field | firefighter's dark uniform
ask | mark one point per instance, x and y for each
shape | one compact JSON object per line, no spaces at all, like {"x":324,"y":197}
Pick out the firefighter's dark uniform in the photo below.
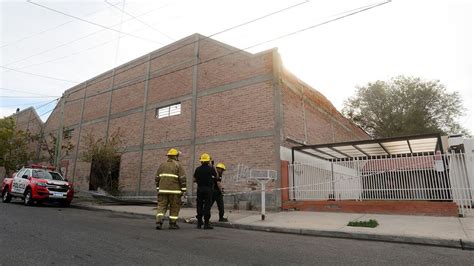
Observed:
{"x":170,"y":184}
{"x":204,"y":177}
{"x":218,"y":197}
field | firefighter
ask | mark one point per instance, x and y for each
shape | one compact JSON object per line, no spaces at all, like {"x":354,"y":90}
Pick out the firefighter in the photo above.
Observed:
{"x":218,"y":193}
{"x":170,"y":185}
{"x":204,"y":177}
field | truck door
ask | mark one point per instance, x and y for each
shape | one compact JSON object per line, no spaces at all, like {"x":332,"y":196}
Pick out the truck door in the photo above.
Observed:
{"x":24,"y":181}
{"x":16,"y":181}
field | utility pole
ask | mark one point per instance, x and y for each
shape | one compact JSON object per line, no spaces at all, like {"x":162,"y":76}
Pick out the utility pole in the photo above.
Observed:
{"x":59,"y":138}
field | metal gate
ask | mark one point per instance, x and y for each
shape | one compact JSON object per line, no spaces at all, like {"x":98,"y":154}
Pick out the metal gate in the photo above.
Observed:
{"x":440,"y":177}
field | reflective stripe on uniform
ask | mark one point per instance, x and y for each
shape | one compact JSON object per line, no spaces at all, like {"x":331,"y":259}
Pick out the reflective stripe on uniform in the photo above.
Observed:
{"x":165,"y":191}
{"x":183,"y":188}
{"x":168,"y":175}
{"x":157,"y":188}
{"x":160,"y":214}
{"x":174,"y":217}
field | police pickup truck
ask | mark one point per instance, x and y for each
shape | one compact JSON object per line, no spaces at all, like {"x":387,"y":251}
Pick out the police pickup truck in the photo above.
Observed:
{"x":37,"y":184}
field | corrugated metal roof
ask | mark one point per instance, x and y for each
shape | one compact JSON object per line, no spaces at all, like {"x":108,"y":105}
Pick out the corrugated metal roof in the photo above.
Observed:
{"x":407,"y":145}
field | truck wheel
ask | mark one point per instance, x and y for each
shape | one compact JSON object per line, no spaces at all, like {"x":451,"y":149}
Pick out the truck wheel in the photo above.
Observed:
{"x":28,"y":199}
{"x":6,"y":197}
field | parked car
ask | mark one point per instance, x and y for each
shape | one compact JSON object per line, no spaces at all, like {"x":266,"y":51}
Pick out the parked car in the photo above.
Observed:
{"x":37,"y":184}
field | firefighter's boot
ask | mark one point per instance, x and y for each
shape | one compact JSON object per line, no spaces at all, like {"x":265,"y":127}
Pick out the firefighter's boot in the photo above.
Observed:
{"x":158,"y":226}
{"x":199,"y":224}
{"x":207,"y":225}
{"x":174,"y":226}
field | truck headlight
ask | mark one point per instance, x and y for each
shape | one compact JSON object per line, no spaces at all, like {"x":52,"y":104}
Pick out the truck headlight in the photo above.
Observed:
{"x":41,"y":184}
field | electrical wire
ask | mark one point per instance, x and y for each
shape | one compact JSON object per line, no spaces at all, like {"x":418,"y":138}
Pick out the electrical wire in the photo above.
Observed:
{"x":92,"y":23}
{"x":345,"y":14}
{"x":180,"y":47}
{"x":21,"y":91}
{"x":139,"y":20}
{"x":27,"y":97}
{"x":23,"y":104}
{"x":50,"y":29}
{"x":38,"y":75}
{"x":220,"y":32}
{"x":75,"y":40}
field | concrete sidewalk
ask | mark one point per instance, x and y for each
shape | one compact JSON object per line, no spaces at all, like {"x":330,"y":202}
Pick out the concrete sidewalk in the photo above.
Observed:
{"x":428,"y":230}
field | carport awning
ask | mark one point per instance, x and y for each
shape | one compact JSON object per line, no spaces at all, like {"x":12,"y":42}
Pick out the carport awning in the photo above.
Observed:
{"x":408,"y":145}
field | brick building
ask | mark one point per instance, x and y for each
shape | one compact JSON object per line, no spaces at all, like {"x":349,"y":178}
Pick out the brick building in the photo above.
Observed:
{"x":198,"y":95}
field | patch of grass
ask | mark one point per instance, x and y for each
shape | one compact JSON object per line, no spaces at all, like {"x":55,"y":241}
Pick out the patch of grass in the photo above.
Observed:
{"x":370,"y":223}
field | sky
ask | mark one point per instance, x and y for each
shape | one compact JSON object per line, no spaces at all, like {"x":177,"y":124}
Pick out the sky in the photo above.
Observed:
{"x":43,"y":52}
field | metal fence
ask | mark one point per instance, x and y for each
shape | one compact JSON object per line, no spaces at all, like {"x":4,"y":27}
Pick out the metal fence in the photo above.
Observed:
{"x":441,"y":177}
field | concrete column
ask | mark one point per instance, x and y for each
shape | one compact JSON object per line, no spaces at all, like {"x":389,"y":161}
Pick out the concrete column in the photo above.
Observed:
{"x":189,"y":183}
{"x":278,"y":130}
{"x":59,"y":137}
{"x":142,"y":140}
{"x":79,"y":133}
{"x":110,"y":106}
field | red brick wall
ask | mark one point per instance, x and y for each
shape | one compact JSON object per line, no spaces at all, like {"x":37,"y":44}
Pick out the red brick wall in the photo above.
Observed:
{"x":246,"y":109}
{"x":231,"y":68}
{"x":129,"y":127}
{"x":169,"y":86}
{"x":177,"y":53}
{"x":324,"y":124}
{"x":129,"y":166}
{"x":28,"y":121}
{"x":128,"y":97}
{"x":173,"y":128}
{"x":221,"y":117}
{"x":130,"y":71}
{"x":381,"y":207}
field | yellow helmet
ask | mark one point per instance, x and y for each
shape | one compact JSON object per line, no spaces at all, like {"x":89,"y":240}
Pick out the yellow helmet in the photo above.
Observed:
{"x":221,"y":166}
{"x":173,"y":152}
{"x":205,"y":157}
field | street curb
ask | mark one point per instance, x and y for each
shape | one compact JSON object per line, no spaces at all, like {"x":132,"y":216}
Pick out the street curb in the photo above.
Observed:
{"x":462,"y":244}
{"x":451,"y":243}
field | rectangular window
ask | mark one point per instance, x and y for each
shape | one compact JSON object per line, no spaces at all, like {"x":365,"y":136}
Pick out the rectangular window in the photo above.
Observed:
{"x":169,"y":110}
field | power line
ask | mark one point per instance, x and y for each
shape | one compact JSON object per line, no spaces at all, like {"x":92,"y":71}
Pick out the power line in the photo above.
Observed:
{"x":75,"y":40}
{"x":92,"y":23}
{"x":38,"y":75}
{"x":23,"y":104}
{"x":119,"y":36}
{"x":178,"y":48}
{"x":345,"y":14}
{"x":358,"y":10}
{"x":222,"y":31}
{"x":27,"y":97}
{"x":21,"y":91}
{"x":139,"y":20}
{"x":49,"y":29}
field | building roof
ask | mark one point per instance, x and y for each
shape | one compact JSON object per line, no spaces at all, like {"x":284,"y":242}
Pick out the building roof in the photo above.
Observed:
{"x":406,"y":145}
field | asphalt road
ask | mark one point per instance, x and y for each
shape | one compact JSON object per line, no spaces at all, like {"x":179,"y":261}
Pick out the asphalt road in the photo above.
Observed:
{"x":52,"y":235}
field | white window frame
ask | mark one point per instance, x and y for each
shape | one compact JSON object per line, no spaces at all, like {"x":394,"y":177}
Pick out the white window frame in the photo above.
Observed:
{"x":167,"y":111}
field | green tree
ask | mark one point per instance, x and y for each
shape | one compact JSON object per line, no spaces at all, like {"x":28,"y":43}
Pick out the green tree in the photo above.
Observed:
{"x":14,"y":146}
{"x":405,"y":106}
{"x":105,"y":158}
{"x":48,"y":144}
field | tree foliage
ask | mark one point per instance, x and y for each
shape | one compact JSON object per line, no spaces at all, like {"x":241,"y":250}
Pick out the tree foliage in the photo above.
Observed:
{"x":405,"y":106}
{"x":48,"y":144}
{"x":14,"y":145}
{"x":103,"y":155}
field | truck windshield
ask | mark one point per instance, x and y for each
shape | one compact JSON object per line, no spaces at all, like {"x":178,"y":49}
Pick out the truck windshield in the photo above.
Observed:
{"x":56,"y":176}
{"x":42,"y":174}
